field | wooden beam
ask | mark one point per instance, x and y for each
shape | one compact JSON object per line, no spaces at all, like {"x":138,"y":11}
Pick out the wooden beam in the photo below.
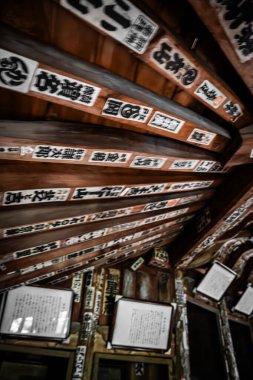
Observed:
{"x":25,"y":246}
{"x":48,"y":71}
{"x":67,"y":183}
{"x":60,"y":262}
{"x":45,"y":218}
{"x":243,"y":155}
{"x":232,"y":202}
{"x":218,"y":20}
{"x":72,"y":143}
{"x":72,"y":266}
{"x":188,"y":72}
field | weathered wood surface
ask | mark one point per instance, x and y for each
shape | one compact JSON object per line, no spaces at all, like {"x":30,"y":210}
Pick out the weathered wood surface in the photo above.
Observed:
{"x":209,"y":15}
{"x":233,"y":201}
{"x":174,"y":44}
{"x":54,"y":142}
{"x":112,"y":87}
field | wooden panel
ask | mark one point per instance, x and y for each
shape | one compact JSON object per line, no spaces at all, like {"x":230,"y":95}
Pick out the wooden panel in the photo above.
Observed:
{"x":75,"y":235}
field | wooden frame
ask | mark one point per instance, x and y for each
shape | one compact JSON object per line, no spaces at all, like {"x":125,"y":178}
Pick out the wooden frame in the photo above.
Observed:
{"x":29,"y":312}
{"x":18,"y":351}
{"x":242,"y":305}
{"x":216,"y":274}
{"x":130,"y":358}
{"x":130,"y":316}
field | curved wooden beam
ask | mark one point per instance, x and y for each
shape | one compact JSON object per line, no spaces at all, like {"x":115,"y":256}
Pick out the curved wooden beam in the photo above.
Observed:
{"x":111,"y":94}
{"x":219,"y":25}
{"x":159,"y":55}
{"x":232,"y":202}
{"x":72,"y":143}
{"x":244,"y":155}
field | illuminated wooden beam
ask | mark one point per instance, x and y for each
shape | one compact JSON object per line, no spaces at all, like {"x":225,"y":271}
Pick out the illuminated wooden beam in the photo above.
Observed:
{"x":232,"y":31}
{"x":58,"y":77}
{"x":165,"y":53}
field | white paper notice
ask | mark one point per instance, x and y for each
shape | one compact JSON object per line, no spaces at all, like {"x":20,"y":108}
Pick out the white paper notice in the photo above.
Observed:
{"x":142,"y":325}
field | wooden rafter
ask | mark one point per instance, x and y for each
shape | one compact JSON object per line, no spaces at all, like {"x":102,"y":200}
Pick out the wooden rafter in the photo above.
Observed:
{"x":112,"y":97}
{"x":188,"y":72}
{"x":237,"y":199}
{"x":214,"y":16}
{"x":100,"y":146}
{"x":45,"y":218}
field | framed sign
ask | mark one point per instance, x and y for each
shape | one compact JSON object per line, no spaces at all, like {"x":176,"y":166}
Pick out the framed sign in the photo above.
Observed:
{"x":216,"y":281}
{"x":245,"y":303}
{"x":37,"y":312}
{"x":141,"y":325}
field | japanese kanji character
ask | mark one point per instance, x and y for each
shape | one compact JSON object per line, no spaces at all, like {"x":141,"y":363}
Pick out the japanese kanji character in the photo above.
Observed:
{"x":13,"y":71}
{"x":198,"y":136}
{"x":43,"y":151}
{"x":71,"y":154}
{"x":245,"y":40}
{"x":117,"y":16}
{"x":142,"y":25}
{"x":130,"y":111}
{"x":113,"y":107}
{"x":189,"y":77}
{"x":86,"y":95}
{"x":112,"y":157}
{"x":135,"y":40}
{"x":42,"y":195}
{"x":78,"y":4}
{"x":175,"y":65}
{"x":232,"y":109}
{"x":238,"y":12}
{"x":99,"y":156}
{"x":210,"y":94}
{"x":47,"y":82}
{"x":163,"y":56}
{"x":13,"y":197}
{"x":13,"y":231}
{"x":70,"y":90}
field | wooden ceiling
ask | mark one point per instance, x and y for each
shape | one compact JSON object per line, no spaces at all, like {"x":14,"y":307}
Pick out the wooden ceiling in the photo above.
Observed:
{"x":125,"y":126}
